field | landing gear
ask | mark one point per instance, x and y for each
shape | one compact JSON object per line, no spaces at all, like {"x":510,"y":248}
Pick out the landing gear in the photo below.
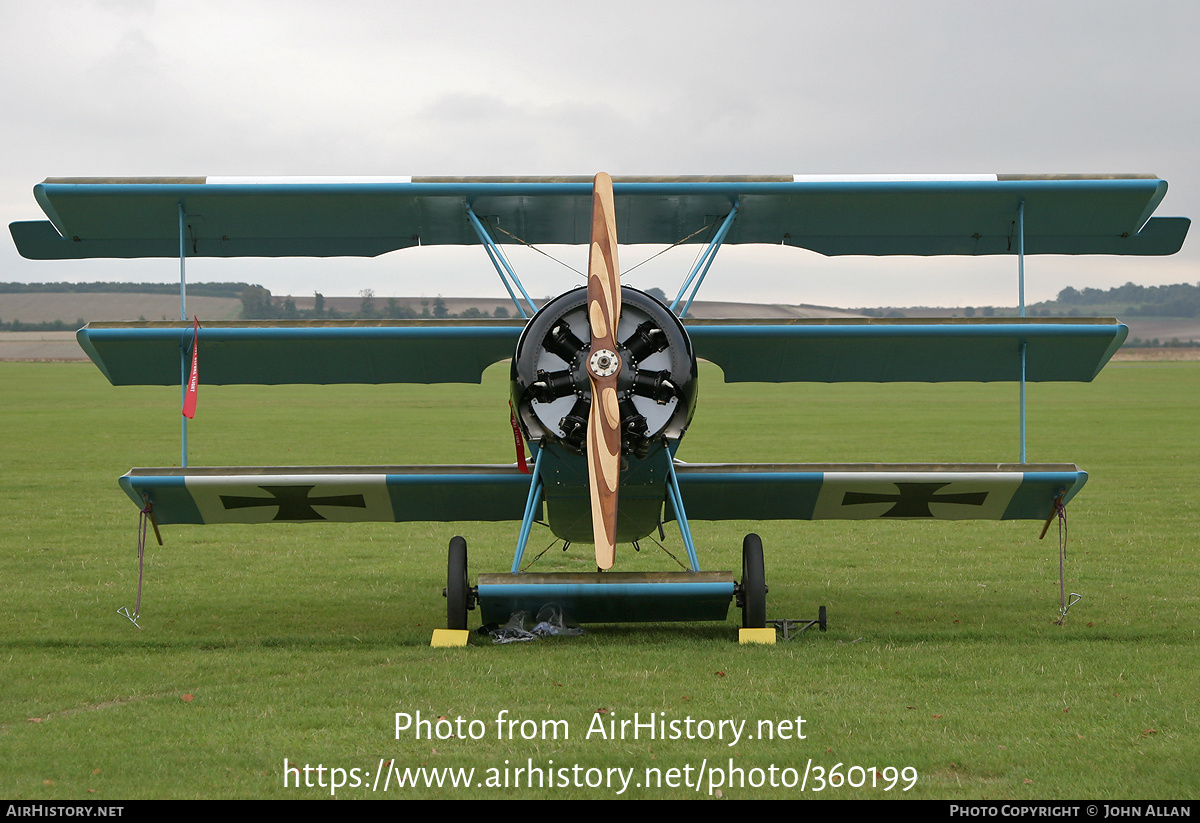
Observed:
{"x":752,"y":594}
{"x":459,"y":597}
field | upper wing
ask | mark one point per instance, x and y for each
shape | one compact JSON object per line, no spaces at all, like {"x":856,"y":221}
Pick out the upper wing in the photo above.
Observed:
{"x":874,"y":215}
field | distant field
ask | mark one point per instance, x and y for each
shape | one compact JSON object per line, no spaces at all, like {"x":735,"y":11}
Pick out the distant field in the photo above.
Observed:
{"x":303,"y":642}
{"x":1157,"y":354}
{"x":46,"y":307}
{"x":1163,"y":328}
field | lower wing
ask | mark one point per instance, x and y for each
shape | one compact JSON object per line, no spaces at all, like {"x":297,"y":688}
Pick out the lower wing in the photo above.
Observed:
{"x":710,"y":491}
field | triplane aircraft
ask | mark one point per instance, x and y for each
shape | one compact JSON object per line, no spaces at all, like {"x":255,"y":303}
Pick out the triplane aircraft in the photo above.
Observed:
{"x":603,"y":377}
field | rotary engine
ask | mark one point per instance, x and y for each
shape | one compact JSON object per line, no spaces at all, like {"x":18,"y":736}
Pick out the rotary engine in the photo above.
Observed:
{"x":656,"y":386}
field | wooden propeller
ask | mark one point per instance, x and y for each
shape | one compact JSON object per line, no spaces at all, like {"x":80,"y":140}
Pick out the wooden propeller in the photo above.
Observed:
{"x":604,"y":364}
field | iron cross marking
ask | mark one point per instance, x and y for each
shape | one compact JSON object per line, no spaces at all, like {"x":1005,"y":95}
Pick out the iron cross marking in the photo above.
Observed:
{"x":914,"y":499}
{"x":293,"y":502}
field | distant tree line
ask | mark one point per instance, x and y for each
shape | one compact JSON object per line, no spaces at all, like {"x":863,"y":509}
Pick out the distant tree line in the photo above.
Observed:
{"x":1178,"y":300}
{"x":1130,"y":300}
{"x":259,"y":304}
{"x":881,"y":313}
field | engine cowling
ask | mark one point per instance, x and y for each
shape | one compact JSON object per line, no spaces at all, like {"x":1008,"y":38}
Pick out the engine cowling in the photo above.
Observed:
{"x":656,"y":385}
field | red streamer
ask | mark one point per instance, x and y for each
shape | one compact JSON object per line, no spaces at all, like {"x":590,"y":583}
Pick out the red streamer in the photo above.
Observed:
{"x":518,"y":440}
{"x":189,"y":397}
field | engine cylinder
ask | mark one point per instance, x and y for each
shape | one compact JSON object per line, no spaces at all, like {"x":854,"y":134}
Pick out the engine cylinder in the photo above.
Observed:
{"x":656,"y":384}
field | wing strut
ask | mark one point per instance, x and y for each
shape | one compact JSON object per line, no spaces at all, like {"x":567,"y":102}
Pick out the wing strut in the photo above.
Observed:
{"x":501,"y":263}
{"x":183,"y":353}
{"x":531,"y":508}
{"x":676,"y":498}
{"x":706,"y":260}
{"x":1021,"y":310}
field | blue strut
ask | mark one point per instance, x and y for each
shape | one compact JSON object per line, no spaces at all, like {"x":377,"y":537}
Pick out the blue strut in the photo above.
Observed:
{"x":705,"y":261}
{"x":531,"y":505}
{"x":501,"y":264}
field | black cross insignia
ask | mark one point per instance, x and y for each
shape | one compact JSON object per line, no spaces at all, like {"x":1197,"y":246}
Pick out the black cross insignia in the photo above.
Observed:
{"x":293,"y":502}
{"x":914,"y":499}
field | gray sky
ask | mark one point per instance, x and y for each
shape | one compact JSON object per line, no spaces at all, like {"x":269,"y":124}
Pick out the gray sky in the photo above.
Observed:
{"x":138,"y":87}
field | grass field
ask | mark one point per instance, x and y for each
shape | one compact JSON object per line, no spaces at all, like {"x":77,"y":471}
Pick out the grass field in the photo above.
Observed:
{"x":303,"y":642}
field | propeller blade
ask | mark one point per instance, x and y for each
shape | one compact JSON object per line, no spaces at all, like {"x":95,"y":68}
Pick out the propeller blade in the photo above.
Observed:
{"x":604,"y":364}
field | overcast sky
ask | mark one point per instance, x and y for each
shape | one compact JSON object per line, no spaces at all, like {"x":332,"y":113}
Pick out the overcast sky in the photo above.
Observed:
{"x":139,"y":87}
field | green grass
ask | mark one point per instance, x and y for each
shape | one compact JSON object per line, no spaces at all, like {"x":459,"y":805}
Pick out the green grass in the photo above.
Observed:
{"x":302,"y":642}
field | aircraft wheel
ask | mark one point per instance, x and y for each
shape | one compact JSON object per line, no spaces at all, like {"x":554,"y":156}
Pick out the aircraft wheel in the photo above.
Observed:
{"x":457,"y":591}
{"x":754,"y":584}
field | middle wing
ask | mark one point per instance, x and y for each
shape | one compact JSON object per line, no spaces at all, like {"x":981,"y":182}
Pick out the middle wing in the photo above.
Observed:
{"x":868,"y":350}
{"x":268,"y":352}
{"x":909,"y":350}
